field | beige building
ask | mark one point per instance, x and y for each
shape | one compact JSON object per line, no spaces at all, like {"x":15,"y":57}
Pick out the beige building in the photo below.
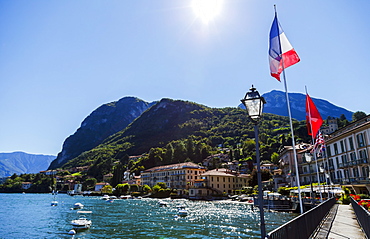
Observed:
{"x":218,"y":181}
{"x":177,"y":176}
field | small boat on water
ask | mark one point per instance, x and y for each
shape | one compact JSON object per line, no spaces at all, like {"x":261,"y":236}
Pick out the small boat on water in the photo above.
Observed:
{"x":125,"y":197}
{"x":182,"y":212}
{"x":82,"y":222}
{"x":78,"y":206}
{"x":105,"y":197}
{"x":54,"y":202}
{"x":162,"y":203}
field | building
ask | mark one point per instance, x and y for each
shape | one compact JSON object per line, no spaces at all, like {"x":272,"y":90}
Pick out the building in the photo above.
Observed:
{"x":219,"y":181}
{"x":287,"y":176}
{"x":331,"y":127}
{"x":177,"y":176}
{"x":26,"y":185}
{"x":348,"y":156}
{"x":99,"y":186}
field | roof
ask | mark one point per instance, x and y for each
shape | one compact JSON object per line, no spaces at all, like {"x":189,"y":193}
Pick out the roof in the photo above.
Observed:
{"x":220,"y":172}
{"x":175,"y":167}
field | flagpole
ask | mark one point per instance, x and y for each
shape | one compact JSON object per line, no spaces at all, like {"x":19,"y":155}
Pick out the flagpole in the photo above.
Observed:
{"x":290,"y":121}
{"x":314,"y":149}
{"x":327,"y":161}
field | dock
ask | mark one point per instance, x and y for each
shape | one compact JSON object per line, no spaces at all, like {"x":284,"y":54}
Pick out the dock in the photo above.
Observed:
{"x":341,"y":222}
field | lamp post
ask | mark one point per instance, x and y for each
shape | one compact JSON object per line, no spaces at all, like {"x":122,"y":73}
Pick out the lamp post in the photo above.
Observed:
{"x":253,"y":103}
{"x":308,"y":158}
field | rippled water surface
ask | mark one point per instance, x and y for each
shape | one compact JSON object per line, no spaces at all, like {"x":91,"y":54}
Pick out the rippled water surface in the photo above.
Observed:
{"x":31,"y":216}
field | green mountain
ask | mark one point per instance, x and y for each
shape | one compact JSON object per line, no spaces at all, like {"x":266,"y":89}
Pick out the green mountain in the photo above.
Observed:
{"x":106,"y":120}
{"x":191,"y":131}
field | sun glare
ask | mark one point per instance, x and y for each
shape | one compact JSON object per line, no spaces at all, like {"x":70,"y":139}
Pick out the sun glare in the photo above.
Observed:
{"x":206,"y":10}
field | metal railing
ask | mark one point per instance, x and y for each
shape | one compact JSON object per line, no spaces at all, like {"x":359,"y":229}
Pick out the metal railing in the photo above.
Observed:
{"x":304,"y":225}
{"x":363,"y":217}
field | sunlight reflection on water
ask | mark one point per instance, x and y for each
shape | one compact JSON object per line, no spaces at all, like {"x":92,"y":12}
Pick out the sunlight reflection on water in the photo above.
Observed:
{"x":131,"y":218}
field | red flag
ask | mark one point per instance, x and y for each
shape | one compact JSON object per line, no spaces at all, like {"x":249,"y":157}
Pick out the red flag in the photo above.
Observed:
{"x":313,"y":117}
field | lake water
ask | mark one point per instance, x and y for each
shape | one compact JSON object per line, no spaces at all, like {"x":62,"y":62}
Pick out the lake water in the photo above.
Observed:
{"x":31,"y":216}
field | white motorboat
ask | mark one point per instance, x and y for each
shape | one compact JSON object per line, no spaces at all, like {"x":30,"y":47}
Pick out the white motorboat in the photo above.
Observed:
{"x":54,"y":202}
{"x":82,"y":222}
{"x":182,"y":211}
{"x":78,"y":206}
{"x":125,"y":197}
{"x":105,"y":197}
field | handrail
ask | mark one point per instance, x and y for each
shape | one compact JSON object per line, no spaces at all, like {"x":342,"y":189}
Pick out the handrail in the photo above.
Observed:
{"x":304,"y":225}
{"x":363,"y":217}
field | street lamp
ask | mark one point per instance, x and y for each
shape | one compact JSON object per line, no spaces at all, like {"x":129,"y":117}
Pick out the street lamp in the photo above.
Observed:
{"x":308,"y":158}
{"x":253,"y":103}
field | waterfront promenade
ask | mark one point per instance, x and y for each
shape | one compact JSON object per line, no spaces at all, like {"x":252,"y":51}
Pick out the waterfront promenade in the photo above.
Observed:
{"x":340,"y":223}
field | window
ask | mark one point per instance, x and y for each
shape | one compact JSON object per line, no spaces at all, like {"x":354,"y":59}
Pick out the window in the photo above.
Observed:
{"x":362,"y":154}
{"x":355,"y":172}
{"x":328,"y":150}
{"x":335,"y":148}
{"x":342,"y":146}
{"x":353,"y":156}
{"x":360,"y":140}
{"x":351,"y":147}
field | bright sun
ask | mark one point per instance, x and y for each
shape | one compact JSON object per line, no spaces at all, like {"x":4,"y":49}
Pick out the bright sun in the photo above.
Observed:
{"x":206,"y":10}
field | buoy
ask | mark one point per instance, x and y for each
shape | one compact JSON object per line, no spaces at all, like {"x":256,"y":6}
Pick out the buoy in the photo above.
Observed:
{"x":72,"y":232}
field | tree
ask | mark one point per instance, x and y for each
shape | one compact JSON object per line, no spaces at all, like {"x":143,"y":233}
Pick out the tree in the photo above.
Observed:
{"x":168,"y":156}
{"x":180,"y":153}
{"x":265,"y":175}
{"x":275,"y":158}
{"x":134,"y":188}
{"x":358,"y":115}
{"x":190,"y":148}
{"x":107,"y":189}
{"x":117,"y":174}
{"x":89,"y":183}
{"x":146,"y":189}
{"x":119,"y":189}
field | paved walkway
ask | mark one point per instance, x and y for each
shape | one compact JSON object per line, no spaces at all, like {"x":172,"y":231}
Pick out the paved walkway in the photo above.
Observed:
{"x":344,"y":223}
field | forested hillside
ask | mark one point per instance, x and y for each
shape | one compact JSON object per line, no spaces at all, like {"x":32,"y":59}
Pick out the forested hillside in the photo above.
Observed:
{"x":177,"y":131}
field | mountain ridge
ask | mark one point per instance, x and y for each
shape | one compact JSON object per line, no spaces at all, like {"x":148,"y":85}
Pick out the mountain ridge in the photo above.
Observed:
{"x":20,"y":162}
{"x":276,"y":104}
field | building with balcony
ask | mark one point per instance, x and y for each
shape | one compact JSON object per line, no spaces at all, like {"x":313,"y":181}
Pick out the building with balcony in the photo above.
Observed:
{"x":177,"y":176}
{"x":347,"y":156}
{"x":286,"y":176}
{"x":220,"y":181}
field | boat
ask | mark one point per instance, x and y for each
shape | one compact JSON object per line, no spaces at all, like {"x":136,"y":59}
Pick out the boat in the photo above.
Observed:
{"x":105,"y":197}
{"x":82,"y":222}
{"x":162,"y":203}
{"x":54,"y":202}
{"x":78,"y":206}
{"x":182,"y":212}
{"x":125,"y":197}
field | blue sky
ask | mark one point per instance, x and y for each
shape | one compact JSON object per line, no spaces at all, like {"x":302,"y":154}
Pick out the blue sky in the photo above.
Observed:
{"x":60,"y":60}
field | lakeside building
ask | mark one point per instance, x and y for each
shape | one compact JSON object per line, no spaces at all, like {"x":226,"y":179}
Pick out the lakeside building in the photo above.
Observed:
{"x":348,"y":156}
{"x":345,"y":161}
{"x":177,"y":176}
{"x":286,"y":176}
{"x":99,"y":186}
{"x":26,"y":185}
{"x":220,"y":181}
